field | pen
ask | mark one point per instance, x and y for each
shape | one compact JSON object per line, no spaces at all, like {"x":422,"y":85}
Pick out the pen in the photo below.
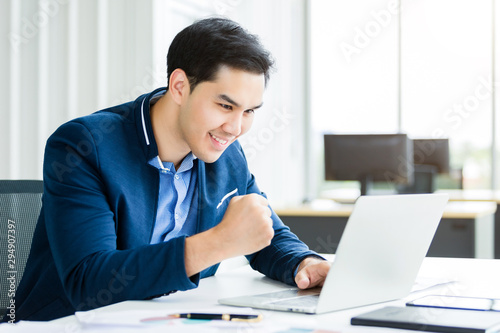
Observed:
{"x":210,"y":316}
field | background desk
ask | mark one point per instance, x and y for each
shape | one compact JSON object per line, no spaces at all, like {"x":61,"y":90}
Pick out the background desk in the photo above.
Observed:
{"x":475,"y":277}
{"x":480,"y":196}
{"x":466,"y":230}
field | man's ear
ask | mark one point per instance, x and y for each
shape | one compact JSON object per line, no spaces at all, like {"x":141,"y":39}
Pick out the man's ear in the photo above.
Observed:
{"x":178,"y":85}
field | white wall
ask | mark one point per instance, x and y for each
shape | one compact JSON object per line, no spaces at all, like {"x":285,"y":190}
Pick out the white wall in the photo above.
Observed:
{"x":61,"y":59}
{"x":275,"y":145}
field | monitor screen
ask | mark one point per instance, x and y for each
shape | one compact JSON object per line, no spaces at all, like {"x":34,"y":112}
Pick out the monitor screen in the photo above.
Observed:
{"x":434,"y":152}
{"x":372,"y":157}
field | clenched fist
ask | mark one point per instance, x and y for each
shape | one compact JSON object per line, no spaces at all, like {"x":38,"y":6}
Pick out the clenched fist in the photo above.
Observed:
{"x":247,"y":226}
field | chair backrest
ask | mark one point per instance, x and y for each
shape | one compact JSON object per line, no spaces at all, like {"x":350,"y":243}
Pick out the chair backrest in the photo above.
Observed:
{"x":20,"y":204}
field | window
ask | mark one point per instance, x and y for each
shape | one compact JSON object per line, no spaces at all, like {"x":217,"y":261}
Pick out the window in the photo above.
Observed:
{"x":446,"y":69}
{"x":423,"y":68}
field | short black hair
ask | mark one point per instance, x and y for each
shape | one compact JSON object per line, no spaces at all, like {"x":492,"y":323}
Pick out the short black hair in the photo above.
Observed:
{"x":203,"y":47}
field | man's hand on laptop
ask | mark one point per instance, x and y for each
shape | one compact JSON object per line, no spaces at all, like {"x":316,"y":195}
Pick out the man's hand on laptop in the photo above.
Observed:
{"x":312,"y":273}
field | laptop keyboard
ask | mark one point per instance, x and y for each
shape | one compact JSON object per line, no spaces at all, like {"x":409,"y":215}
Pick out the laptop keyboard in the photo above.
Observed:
{"x":290,"y":293}
{"x":301,"y":301}
{"x":285,"y":294}
{"x":293,"y":299}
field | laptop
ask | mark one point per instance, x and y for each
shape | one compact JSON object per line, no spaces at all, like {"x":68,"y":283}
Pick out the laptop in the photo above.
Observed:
{"x":378,"y":258}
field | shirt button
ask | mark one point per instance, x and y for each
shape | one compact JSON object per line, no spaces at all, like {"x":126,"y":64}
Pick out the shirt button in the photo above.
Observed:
{"x":176,"y":176}
{"x":176,"y":216}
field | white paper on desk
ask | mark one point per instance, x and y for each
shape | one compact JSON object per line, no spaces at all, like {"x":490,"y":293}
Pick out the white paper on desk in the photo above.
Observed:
{"x":132,"y":318}
{"x":36,"y":326}
{"x":422,"y":283}
{"x":120,"y":318}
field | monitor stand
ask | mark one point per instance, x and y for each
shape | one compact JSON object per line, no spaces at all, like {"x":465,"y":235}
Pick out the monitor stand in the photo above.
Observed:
{"x":366,"y":185}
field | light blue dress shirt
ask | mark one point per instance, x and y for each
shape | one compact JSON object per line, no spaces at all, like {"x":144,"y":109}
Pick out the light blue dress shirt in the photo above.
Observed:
{"x":177,"y":201}
{"x":178,"y":198}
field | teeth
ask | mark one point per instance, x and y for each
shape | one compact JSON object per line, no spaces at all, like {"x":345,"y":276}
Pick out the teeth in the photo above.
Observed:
{"x":222,"y":142}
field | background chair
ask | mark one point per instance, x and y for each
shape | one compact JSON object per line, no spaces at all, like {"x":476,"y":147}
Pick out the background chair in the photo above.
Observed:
{"x":20,"y":204}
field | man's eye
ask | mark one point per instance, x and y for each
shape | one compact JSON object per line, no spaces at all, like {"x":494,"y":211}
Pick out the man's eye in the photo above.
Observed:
{"x":250,"y":111}
{"x":227,"y":107}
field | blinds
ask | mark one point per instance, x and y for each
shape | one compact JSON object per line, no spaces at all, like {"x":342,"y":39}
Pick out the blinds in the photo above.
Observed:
{"x":62,"y":59}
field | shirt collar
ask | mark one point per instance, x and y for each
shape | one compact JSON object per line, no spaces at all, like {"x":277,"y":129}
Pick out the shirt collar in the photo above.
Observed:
{"x":143,"y":123}
{"x":186,"y":164}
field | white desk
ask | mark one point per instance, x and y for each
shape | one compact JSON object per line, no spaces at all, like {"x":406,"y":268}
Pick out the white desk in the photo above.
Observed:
{"x":476,"y":277}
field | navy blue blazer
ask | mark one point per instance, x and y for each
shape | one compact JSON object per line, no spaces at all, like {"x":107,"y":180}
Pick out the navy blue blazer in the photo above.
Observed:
{"x":91,"y":246}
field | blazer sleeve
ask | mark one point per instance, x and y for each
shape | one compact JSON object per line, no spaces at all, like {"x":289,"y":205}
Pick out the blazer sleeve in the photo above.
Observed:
{"x":81,"y":226}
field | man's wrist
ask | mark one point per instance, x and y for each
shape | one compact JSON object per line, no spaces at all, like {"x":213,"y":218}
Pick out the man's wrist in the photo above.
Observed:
{"x":202,"y":251}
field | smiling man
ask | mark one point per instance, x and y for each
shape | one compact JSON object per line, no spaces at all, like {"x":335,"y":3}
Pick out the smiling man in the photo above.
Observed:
{"x":145,"y":198}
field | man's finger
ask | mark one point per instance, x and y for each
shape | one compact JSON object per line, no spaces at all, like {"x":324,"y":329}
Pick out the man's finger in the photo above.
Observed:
{"x":302,"y":280}
{"x":313,"y":274}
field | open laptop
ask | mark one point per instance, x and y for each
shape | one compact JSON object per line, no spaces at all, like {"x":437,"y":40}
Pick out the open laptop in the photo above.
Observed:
{"x":378,"y":258}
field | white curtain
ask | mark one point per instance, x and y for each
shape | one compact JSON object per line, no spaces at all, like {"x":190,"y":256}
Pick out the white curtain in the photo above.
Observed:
{"x":62,"y":59}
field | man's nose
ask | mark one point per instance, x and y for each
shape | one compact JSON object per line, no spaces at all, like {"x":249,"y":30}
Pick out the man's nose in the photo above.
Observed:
{"x":233,"y":124}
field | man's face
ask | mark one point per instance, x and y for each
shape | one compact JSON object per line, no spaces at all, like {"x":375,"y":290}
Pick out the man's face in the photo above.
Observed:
{"x":217,"y":112}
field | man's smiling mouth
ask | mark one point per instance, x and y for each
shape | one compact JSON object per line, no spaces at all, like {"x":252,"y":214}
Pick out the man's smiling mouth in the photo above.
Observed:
{"x":219,"y":140}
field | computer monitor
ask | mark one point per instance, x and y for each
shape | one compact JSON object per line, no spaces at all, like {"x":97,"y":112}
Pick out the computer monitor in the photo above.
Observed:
{"x":434,"y":152}
{"x":368,"y":158}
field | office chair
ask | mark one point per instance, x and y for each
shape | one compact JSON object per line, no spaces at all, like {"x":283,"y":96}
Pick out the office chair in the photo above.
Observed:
{"x":20,"y":204}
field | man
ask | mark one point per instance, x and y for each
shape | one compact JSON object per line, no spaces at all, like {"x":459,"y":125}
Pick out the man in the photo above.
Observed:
{"x":145,"y":198}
